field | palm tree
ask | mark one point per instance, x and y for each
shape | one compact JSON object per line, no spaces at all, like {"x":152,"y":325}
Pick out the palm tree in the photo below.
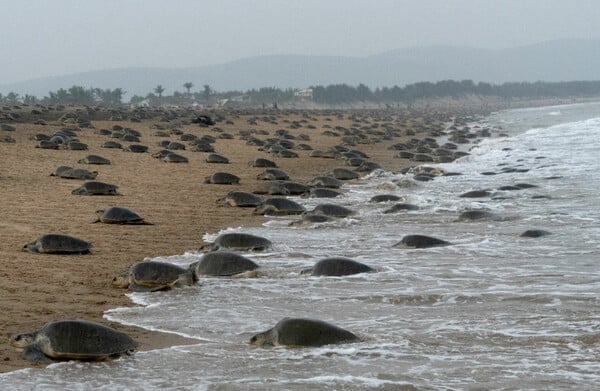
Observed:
{"x":188,"y":86}
{"x":207,"y":92}
{"x":159,"y":90}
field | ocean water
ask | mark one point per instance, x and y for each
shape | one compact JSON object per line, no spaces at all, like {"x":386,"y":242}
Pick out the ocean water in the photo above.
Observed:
{"x":491,"y":311}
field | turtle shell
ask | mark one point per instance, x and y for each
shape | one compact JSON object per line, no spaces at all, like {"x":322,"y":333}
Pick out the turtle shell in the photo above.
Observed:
{"x":240,"y":241}
{"x":58,"y":244}
{"x":332,"y":210}
{"x":94,"y":159}
{"x":222,"y":263}
{"x":303,"y":332}
{"x":339,"y":266}
{"x":242,"y":199}
{"x":120,"y":215}
{"x":80,"y":339}
{"x":154,"y":273}
{"x":96,"y":188}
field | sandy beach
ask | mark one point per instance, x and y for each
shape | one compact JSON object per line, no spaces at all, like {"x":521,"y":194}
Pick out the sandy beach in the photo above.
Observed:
{"x":38,"y":288}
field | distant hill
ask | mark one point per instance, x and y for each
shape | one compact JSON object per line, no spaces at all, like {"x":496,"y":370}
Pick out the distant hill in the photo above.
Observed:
{"x":561,"y":60}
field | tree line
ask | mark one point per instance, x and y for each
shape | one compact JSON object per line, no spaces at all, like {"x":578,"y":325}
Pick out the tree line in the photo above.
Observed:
{"x":330,"y":94}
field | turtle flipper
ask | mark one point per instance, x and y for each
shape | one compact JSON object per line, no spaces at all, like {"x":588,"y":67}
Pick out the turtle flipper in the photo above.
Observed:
{"x":33,"y":353}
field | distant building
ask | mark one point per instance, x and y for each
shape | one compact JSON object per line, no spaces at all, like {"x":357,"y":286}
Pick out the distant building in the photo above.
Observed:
{"x":306,"y":93}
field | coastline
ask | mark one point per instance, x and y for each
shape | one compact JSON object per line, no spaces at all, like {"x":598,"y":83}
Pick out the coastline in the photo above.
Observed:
{"x":41,"y":287}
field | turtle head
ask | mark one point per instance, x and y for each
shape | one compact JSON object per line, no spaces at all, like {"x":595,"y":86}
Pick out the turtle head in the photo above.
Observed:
{"x":121,"y":281}
{"x":99,"y":212}
{"x":21,"y":341}
{"x":262,"y":339}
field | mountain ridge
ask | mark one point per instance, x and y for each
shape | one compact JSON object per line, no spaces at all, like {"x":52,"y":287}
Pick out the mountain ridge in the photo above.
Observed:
{"x":559,"y":60}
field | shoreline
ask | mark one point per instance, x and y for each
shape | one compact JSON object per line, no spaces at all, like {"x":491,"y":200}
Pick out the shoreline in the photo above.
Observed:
{"x":42,"y":287}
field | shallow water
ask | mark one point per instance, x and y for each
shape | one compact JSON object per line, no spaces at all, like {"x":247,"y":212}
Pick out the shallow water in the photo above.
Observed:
{"x":493,"y":310}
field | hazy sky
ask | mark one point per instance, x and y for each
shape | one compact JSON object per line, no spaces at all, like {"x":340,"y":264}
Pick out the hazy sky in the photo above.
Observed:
{"x":56,"y":37}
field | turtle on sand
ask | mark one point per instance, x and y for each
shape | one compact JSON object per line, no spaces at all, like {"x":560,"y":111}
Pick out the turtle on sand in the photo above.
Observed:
{"x":172,"y":157}
{"x":93,"y":159}
{"x":262,"y":162}
{"x":74,"y":173}
{"x":273,"y":174}
{"x":58,"y":244}
{"x":96,"y":188}
{"x":279,"y":207}
{"x":300,"y":332}
{"x":217,"y":159}
{"x":241,"y":199}
{"x":321,"y":192}
{"x":73,"y":340}
{"x":152,"y":276}
{"x":337,"y":266}
{"x":327,"y":181}
{"x":238,"y":241}
{"x":344,"y":174}
{"x":223,"y":264}
{"x":119,"y":215}
{"x":222,"y":178}
{"x":136,"y":148}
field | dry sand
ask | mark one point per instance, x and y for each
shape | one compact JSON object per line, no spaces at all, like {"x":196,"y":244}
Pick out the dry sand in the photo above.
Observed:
{"x":37,"y":288}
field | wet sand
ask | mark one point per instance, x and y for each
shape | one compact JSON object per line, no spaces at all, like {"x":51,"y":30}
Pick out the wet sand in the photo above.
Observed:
{"x":37,"y":288}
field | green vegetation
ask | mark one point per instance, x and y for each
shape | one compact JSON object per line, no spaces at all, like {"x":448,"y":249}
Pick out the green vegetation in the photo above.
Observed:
{"x":329,"y":95}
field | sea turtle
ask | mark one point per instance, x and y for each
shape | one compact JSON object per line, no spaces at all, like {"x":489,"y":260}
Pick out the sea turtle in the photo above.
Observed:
{"x":470,"y":215}
{"x":344,"y":174}
{"x":223,"y":264}
{"x":74,"y":173}
{"x":136,"y":148}
{"x":47,"y":144}
{"x":279,"y":207}
{"x":327,"y":181}
{"x":384,"y":198}
{"x":320,"y":192}
{"x":96,"y":188}
{"x":238,"y":241}
{"x":174,"y":145}
{"x":368,"y":167}
{"x":58,"y":244}
{"x":119,"y":215}
{"x":216,"y":158}
{"x":476,"y":194}
{"x":152,"y":276}
{"x":420,"y":241}
{"x":300,"y":332}
{"x":222,"y":178}
{"x":76,"y":146}
{"x":111,"y":144}
{"x":401,"y":207}
{"x":293,"y":188}
{"x":241,"y":199}
{"x":73,"y":340}
{"x":273,"y":174}
{"x":534,"y":233}
{"x":337,"y":266}
{"x":332,"y":210}
{"x":174,"y":158}
{"x":310,"y":219}
{"x":262,"y":162}
{"x":93,"y":159}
